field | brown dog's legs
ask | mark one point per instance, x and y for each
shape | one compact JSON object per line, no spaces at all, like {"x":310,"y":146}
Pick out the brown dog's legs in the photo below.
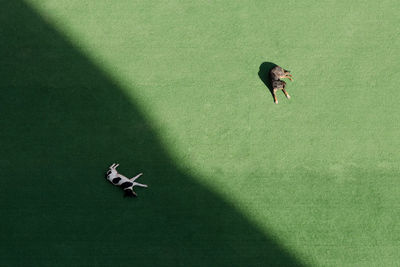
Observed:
{"x":274,"y":94}
{"x":286,"y":93}
{"x":289,"y":76}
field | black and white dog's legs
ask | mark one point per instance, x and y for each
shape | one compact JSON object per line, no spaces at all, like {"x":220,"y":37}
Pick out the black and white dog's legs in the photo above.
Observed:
{"x":137,"y":184}
{"x":114,"y":166}
{"x":137,"y":176}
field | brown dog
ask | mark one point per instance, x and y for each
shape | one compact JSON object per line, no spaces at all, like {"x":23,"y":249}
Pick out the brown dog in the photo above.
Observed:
{"x":276,"y":74}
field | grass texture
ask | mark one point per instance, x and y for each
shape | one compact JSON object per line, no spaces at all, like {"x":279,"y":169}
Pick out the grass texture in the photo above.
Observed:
{"x":174,"y":89}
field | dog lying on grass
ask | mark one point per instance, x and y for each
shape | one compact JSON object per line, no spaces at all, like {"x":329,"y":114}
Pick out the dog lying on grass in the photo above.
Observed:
{"x":276,"y":74}
{"x":125,"y":183}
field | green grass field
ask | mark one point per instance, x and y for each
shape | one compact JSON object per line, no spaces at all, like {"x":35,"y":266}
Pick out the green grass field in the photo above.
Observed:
{"x":172,"y":89}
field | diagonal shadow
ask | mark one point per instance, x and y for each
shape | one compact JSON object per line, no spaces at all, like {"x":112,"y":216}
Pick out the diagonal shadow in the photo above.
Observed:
{"x":64,"y":121}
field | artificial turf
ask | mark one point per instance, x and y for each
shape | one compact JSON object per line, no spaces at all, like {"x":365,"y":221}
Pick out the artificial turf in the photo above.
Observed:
{"x":174,"y":89}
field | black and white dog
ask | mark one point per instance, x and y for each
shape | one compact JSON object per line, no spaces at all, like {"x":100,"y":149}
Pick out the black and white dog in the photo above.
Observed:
{"x":125,"y":183}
